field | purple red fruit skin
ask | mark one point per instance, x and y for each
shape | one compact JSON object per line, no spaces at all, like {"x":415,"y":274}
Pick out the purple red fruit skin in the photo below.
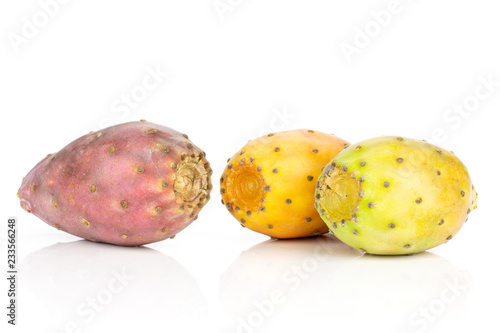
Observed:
{"x":129,"y":184}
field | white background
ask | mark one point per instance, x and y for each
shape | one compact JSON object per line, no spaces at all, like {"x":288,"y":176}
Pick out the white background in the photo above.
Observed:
{"x":235,"y":73}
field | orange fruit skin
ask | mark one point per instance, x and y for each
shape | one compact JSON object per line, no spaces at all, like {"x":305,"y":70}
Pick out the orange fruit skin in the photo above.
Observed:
{"x":269,"y":184}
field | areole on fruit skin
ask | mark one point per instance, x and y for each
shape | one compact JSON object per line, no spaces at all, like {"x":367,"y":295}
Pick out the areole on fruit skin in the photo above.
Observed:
{"x":375,"y":197}
{"x":129,"y":184}
{"x":268,"y":185}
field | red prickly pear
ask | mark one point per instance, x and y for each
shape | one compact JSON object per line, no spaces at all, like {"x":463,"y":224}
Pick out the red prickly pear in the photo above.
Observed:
{"x":129,"y":184}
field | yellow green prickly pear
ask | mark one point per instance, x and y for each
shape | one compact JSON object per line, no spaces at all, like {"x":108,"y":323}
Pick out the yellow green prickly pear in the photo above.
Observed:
{"x":268,"y":185}
{"x":392,"y":195}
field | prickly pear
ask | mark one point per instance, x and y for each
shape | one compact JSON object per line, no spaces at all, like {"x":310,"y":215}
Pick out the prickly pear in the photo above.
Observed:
{"x":268,"y":185}
{"x":394,"y":195}
{"x":129,"y":184}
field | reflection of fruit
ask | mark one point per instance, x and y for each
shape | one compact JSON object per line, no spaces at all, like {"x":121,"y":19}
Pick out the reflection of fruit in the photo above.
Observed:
{"x":268,"y":186}
{"x":324,"y":281}
{"x":393,"y":195}
{"x":129,"y":184}
{"x":284,"y":265}
{"x":402,"y":294}
{"x":98,"y":285}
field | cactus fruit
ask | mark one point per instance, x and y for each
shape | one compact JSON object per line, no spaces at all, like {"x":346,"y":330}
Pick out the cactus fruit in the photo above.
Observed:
{"x":129,"y":184}
{"x":268,"y":185}
{"x":393,"y":195}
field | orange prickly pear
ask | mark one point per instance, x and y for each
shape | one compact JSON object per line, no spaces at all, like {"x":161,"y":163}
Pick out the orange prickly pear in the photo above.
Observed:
{"x":268,"y":185}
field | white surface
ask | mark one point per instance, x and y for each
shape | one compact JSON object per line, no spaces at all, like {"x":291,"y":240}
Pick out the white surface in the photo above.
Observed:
{"x":228,"y":81}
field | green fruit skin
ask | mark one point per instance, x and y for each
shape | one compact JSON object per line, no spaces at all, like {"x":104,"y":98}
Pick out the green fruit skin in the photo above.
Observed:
{"x":412,"y":196}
